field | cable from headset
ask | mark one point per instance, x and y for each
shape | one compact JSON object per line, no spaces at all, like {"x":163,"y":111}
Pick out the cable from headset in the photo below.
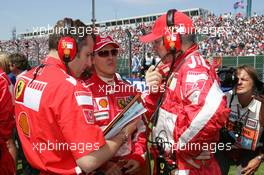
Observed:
{"x":67,"y":68}
{"x":154,"y":116}
{"x":36,"y":72}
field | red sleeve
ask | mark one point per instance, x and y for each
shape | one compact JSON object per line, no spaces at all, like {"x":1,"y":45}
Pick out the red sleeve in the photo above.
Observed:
{"x":7,"y":120}
{"x":150,"y":102}
{"x":139,"y":144}
{"x":80,"y":129}
{"x":204,"y":109}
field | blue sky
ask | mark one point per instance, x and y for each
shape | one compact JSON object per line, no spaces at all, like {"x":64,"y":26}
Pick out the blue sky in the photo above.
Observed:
{"x":27,"y":14}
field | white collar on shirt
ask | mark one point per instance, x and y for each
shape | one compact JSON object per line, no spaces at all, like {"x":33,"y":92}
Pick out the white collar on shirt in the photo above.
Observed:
{"x":252,"y":106}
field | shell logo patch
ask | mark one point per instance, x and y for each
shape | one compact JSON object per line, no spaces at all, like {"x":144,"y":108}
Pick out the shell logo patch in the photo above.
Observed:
{"x":23,"y":122}
{"x":103,"y":103}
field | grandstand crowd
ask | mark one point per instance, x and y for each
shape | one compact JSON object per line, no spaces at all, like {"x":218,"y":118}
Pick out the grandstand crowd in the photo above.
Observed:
{"x":199,"y":92}
{"x":241,"y":36}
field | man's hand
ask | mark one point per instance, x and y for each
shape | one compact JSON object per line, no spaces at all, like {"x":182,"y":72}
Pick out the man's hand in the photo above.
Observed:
{"x":112,"y":168}
{"x":11,"y":148}
{"x":153,"y":79}
{"x":130,"y":128}
{"x":132,"y":166}
{"x":251,"y":167}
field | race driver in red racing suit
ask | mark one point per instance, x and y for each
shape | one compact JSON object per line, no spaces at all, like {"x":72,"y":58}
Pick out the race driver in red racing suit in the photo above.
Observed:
{"x":110,"y":96}
{"x":193,"y":108}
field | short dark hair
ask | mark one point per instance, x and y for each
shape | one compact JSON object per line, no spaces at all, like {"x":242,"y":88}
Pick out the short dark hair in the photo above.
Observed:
{"x":188,"y":38}
{"x":19,"y":60}
{"x":67,"y":27}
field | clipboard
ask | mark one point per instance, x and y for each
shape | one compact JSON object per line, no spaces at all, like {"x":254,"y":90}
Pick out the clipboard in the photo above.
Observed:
{"x":134,"y":109}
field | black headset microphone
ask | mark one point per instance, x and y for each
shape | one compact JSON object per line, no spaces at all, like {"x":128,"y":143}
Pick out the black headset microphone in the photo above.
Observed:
{"x":172,"y":44}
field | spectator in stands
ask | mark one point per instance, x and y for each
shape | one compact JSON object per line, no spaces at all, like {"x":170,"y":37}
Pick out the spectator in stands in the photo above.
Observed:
{"x":157,"y":60}
{"x":149,"y":61}
{"x":5,"y":66}
{"x":18,"y":64}
{"x":235,"y":31}
{"x":244,"y":128}
{"x":136,"y":65}
{"x":4,"y":63}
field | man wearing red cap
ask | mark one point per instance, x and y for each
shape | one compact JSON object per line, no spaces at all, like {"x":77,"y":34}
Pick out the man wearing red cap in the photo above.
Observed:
{"x":192,"y":108}
{"x":54,"y":113}
{"x":7,"y":124}
{"x":110,"y":96}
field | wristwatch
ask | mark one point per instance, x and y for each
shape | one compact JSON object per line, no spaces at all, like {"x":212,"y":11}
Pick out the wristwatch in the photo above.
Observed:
{"x":260,"y":157}
{"x":124,"y":136}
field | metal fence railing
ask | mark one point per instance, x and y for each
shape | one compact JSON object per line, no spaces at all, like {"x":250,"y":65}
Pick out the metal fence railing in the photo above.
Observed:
{"x":255,"y":61}
{"x":228,"y":61}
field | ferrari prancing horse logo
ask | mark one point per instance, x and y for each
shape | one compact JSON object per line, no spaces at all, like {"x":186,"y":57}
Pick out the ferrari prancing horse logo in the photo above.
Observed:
{"x":19,"y":88}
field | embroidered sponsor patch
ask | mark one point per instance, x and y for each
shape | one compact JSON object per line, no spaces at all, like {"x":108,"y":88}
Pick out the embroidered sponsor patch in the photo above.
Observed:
{"x":83,"y":98}
{"x":193,"y":76}
{"x":121,"y":102}
{"x":88,"y":115}
{"x":19,"y":92}
{"x":102,"y":103}
{"x":101,"y":116}
{"x":251,"y":123}
{"x":193,"y":63}
{"x":195,"y":81}
{"x":33,"y":94}
{"x":23,"y":122}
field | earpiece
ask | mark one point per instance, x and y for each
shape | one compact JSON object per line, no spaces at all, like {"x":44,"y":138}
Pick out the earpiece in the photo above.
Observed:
{"x":172,"y":39}
{"x":67,"y":46}
{"x":67,"y":49}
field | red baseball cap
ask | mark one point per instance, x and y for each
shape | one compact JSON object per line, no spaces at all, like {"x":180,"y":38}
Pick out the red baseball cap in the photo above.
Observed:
{"x":100,"y":42}
{"x":183,"y":23}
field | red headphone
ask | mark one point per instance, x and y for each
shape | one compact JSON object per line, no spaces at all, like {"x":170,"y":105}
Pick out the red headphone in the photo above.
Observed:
{"x":172,"y":38}
{"x":67,"y":46}
{"x":67,"y":49}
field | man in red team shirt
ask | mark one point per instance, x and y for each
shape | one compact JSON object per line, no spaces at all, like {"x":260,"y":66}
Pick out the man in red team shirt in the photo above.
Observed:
{"x":54,"y":112}
{"x":110,"y":94}
{"x":192,"y":109}
{"x":7,"y":124}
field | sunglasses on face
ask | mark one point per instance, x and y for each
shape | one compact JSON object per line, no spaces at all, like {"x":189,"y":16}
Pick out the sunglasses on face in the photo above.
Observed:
{"x":106,"y":53}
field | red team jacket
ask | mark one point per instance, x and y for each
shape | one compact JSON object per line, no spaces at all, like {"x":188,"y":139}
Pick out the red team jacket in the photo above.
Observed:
{"x":54,"y":118}
{"x":192,"y":112}
{"x":7,"y":124}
